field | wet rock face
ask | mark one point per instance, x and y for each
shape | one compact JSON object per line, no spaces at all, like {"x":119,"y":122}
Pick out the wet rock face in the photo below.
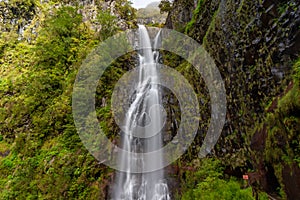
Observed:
{"x":291,"y":175}
{"x":253,"y":44}
{"x":202,"y":18}
{"x":275,"y":146}
{"x":181,"y":13}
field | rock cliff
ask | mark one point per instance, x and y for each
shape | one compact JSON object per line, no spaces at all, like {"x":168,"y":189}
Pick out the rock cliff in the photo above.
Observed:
{"x":254,"y":44}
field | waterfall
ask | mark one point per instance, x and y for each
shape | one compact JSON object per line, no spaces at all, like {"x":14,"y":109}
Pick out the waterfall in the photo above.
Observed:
{"x":144,"y":111}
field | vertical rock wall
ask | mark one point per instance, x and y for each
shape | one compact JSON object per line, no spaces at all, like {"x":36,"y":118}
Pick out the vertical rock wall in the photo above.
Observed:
{"x":254,"y":44}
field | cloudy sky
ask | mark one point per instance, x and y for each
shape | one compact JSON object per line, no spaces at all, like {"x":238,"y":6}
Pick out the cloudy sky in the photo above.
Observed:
{"x":141,"y":3}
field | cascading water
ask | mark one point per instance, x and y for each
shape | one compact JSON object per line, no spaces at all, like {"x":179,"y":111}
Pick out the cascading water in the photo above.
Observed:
{"x":144,"y":111}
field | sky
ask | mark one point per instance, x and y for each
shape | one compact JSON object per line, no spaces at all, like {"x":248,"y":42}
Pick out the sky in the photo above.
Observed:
{"x":141,"y":3}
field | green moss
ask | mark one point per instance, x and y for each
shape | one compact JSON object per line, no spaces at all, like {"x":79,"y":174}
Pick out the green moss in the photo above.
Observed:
{"x":211,"y":27}
{"x":241,"y":6}
{"x":283,"y":125}
{"x":197,"y":11}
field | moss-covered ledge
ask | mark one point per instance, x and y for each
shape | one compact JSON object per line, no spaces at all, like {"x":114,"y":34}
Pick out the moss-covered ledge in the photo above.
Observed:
{"x":275,"y":143}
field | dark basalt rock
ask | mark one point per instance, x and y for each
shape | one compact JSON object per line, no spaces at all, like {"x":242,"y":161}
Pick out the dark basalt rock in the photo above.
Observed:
{"x":253,"y":44}
{"x":266,"y":159}
{"x":291,"y":181}
{"x":180,"y":14}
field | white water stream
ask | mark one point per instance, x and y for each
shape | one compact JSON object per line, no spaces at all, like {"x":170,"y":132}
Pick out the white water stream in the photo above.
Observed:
{"x":144,"y":111}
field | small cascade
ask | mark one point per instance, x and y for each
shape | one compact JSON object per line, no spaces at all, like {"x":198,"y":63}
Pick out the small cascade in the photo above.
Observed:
{"x":143,"y":112}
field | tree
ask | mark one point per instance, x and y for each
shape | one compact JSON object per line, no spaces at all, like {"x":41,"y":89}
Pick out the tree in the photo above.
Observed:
{"x":125,"y":10}
{"x":108,"y":24}
{"x":165,"y":6}
{"x":59,"y":40}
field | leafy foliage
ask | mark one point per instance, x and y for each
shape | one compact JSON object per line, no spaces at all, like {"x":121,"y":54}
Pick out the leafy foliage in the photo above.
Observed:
{"x":41,"y":154}
{"x":108,"y":24}
{"x":165,"y":6}
{"x":125,"y":10}
{"x":210,"y":184}
{"x":60,"y":39}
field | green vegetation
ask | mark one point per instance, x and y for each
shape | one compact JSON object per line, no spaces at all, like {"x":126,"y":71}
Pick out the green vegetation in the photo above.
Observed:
{"x":258,"y":138}
{"x":208,"y":182}
{"x":283,"y":126}
{"x":42,"y":46}
{"x":196,"y":13}
{"x":41,"y":154}
{"x":165,"y":6}
{"x":108,"y":24}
